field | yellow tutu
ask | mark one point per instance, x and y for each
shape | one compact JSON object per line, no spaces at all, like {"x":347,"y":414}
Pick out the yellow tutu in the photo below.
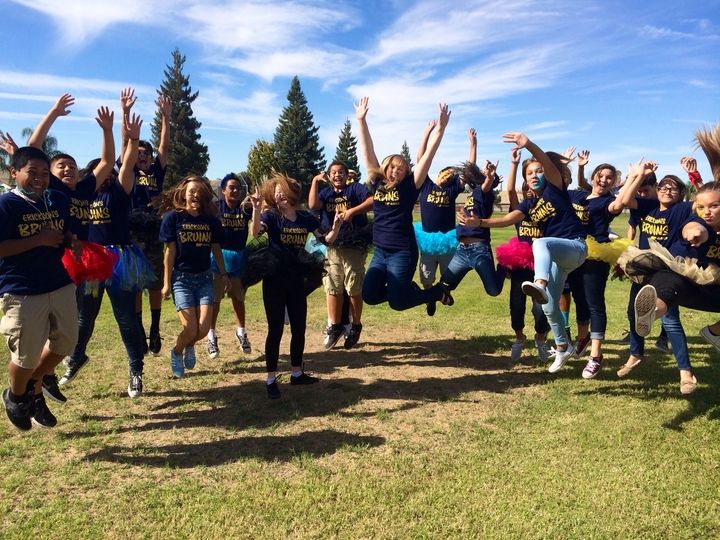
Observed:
{"x":608,"y":252}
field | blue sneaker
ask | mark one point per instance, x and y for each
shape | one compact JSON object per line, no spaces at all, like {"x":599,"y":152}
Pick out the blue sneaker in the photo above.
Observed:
{"x":189,"y":357}
{"x":176,"y":364}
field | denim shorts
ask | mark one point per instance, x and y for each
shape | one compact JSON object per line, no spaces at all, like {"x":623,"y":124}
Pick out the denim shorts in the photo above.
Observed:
{"x":192,"y":290}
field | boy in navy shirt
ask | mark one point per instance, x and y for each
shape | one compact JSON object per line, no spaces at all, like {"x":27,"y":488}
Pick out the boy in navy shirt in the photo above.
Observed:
{"x":37,"y":295}
{"x":149,"y":177}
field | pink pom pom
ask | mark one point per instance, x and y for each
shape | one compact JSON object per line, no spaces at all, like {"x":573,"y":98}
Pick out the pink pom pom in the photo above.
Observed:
{"x":515,"y":254}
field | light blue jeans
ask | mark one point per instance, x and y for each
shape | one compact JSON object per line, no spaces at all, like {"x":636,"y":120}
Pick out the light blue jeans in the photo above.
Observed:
{"x":555,"y":258}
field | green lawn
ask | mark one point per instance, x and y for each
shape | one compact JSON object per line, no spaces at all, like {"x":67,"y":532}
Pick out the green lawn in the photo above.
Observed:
{"x":427,"y":430}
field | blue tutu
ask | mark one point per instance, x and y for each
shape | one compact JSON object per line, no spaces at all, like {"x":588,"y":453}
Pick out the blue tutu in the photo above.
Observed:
{"x":435,"y":243}
{"x":131,"y":271}
{"x":234,"y":262}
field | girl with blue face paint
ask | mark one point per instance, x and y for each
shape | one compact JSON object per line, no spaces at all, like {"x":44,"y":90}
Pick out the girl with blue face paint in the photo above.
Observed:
{"x":561,"y":247}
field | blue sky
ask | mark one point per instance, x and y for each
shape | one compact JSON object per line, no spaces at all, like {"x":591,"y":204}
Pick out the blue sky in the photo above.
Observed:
{"x":623,"y":79}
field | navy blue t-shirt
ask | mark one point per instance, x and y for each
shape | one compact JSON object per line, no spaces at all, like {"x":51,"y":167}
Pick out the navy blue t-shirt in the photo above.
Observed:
{"x":235,"y":224}
{"x":437,"y":206}
{"x":665,"y":226}
{"x":39,"y":270}
{"x":148,"y":185}
{"x":193,"y":236}
{"x":289,"y":234}
{"x":481,"y":204}
{"x":110,"y":217}
{"x":393,"y":210}
{"x":80,"y":199}
{"x":553,"y":214}
{"x":706,"y":253}
{"x":593,"y":213}
{"x":350,"y":196}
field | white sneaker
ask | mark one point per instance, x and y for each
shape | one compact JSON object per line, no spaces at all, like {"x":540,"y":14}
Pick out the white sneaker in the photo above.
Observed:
{"x":535,"y":291}
{"x":516,"y":349}
{"x":710,"y":338}
{"x":543,"y":350}
{"x":561,"y":358}
{"x":645,"y":302}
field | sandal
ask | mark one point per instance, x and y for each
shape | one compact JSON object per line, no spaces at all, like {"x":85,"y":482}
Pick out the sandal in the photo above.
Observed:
{"x":688,"y":387}
{"x":447,"y":299}
{"x":627,"y":368}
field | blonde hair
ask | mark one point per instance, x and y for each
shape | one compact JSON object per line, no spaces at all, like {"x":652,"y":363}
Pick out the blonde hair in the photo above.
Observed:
{"x":381,"y":173}
{"x":174,"y":198}
{"x":709,"y":141}
{"x":289,"y":186}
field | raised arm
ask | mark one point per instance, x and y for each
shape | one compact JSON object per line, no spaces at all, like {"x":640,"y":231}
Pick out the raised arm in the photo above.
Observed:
{"x":426,"y":135}
{"x":7,"y":143}
{"x":127,"y":173}
{"x":361,"y":110}
{"x":107,"y":158}
{"x":256,"y":224}
{"x":582,"y":160}
{"x":472,"y":135}
{"x":314,"y":201}
{"x":489,"y":171}
{"x":515,"y":156}
{"x":690,"y":166}
{"x":423,"y":165}
{"x":551,"y":172}
{"x":516,"y":216}
{"x":695,"y":233}
{"x":127,"y":100}
{"x":165,"y":106}
{"x":636,"y":174}
{"x":43,"y":128}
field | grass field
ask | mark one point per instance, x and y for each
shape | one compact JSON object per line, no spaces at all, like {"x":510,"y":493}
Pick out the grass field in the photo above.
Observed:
{"x":426,"y":430}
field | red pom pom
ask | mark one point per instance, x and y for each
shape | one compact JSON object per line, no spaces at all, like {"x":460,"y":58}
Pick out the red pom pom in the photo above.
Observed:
{"x":515,"y":254}
{"x":96,"y":263}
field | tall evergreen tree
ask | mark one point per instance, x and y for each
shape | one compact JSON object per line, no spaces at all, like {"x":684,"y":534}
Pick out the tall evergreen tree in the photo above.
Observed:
{"x":405,"y":152}
{"x":347,"y":148}
{"x":297,"y":145}
{"x":187,"y":154}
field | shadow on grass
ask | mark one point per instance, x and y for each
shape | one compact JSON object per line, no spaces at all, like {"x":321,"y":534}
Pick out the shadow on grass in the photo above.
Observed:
{"x":311,"y":444}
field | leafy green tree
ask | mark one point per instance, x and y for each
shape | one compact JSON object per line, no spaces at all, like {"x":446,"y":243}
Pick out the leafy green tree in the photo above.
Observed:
{"x":187,"y":154}
{"x":297,"y":145}
{"x":261,"y":161}
{"x":405,"y":152}
{"x":347,"y":148}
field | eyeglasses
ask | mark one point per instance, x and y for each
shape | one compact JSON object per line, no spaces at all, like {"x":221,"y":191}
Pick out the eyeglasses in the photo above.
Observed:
{"x":666,"y":189}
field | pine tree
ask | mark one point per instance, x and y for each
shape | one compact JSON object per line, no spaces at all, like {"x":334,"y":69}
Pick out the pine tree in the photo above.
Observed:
{"x":297,"y":148}
{"x":347,"y":148}
{"x":405,"y":152}
{"x":261,"y":161}
{"x":187,"y":155}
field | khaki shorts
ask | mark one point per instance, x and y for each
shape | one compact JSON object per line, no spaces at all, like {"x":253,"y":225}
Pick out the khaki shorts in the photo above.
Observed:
{"x":31,"y":322}
{"x":237,"y":291}
{"x":345,"y":270}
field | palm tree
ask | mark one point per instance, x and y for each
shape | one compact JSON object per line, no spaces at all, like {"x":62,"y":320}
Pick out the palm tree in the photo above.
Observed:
{"x":49,"y":145}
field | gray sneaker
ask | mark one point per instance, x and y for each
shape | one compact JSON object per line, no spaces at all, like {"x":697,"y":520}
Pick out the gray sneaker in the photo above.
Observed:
{"x":244,"y":342}
{"x":72,"y":370}
{"x":711,"y":338}
{"x":212,"y":348}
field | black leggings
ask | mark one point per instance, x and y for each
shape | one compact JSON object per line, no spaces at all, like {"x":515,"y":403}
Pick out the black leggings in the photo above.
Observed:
{"x":279,"y":292}
{"x":518,"y":301}
{"x":674,"y":289}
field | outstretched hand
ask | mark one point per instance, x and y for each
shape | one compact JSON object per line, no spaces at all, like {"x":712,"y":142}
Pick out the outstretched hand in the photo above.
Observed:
{"x":361,"y":109}
{"x":568,"y":154}
{"x":165,"y":105}
{"x":61,"y":105}
{"x":105,"y":118}
{"x":443,"y":115}
{"x":7,"y":143}
{"x":583,"y":157}
{"x":132,"y":126}
{"x":469,"y":221}
{"x":515,"y":155}
{"x":127,"y":99}
{"x":695,"y":235}
{"x":431,"y":125}
{"x":256,"y":198}
{"x":519,"y":139}
{"x":490,"y":168}
{"x":472,"y":135}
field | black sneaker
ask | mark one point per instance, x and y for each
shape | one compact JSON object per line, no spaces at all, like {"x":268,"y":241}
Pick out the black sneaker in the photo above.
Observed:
{"x":18,"y":413}
{"x":431,"y":308}
{"x":43,"y":416}
{"x":72,"y":370}
{"x":303,"y":378}
{"x":273,"y":390}
{"x":135,"y":386}
{"x":155,"y":344}
{"x":352,"y":338}
{"x":51,"y":390}
{"x":333,"y":335}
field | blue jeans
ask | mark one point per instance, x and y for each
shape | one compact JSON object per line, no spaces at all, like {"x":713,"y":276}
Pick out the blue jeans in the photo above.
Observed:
{"x":555,"y":258}
{"x":672,"y":325}
{"x":389,"y":279}
{"x":123,"y":304}
{"x":588,"y":285}
{"x":476,"y":256}
{"x":192,"y":290}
